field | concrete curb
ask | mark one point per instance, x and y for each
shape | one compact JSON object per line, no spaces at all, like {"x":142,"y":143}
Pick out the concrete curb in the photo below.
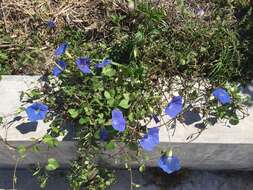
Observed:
{"x":218,"y":147}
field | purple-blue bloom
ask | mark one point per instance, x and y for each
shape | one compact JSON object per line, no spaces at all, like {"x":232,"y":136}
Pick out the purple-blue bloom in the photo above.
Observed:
{"x":60,"y":50}
{"x":104,"y":63}
{"x":155,"y":117}
{"x":104,"y":134}
{"x":51,"y":24}
{"x":150,"y":140}
{"x":37,"y":111}
{"x":174,"y":107}
{"x":169,"y":164}
{"x":222,"y":95}
{"x":83,"y":63}
{"x":118,"y":121}
{"x":60,"y":67}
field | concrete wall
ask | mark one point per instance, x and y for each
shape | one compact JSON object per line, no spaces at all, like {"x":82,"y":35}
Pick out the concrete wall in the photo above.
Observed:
{"x":218,"y":147}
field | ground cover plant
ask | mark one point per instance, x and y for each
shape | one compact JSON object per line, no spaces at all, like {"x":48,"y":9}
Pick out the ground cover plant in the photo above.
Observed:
{"x":114,"y":68}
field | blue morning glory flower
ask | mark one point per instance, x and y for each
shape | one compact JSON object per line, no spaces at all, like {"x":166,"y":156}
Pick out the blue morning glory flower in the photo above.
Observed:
{"x":222,"y":95}
{"x":174,"y":107}
{"x":155,"y":117}
{"x":83,"y":63}
{"x":104,"y":63}
{"x":118,"y":121}
{"x":104,"y":134}
{"x":150,"y":140}
{"x":60,"y":50}
{"x":37,"y":111}
{"x":51,"y":24}
{"x":61,"y":66}
{"x":169,"y":164}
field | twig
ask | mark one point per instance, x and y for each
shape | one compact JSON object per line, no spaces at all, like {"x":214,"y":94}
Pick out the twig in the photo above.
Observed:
{"x":14,"y":177}
{"x":4,"y":17}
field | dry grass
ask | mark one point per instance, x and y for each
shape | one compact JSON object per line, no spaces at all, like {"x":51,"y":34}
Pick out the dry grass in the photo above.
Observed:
{"x":24,"y":23}
{"x":24,"y":20}
{"x":20,"y":18}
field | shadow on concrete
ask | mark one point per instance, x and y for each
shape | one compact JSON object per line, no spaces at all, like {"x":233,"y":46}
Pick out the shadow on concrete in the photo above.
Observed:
{"x":212,"y":120}
{"x":15,"y":119}
{"x":191,"y":117}
{"x":200,"y":125}
{"x":25,"y":128}
{"x":25,"y":180}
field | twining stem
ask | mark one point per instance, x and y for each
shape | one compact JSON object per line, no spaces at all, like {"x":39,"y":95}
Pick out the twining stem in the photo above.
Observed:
{"x":14,"y":177}
{"x":131,"y":177}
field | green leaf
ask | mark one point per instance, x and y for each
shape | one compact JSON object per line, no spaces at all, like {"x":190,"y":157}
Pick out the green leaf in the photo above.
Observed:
{"x":1,"y":120}
{"x":73,"y":113}
{"x":126,"y":96}
{"x":50,"y":141}
{"x":43,"y":181}
{"x":110,"y":102}
{"x":35,"y":148}
{"x":83,"y":120}
{"x":3,"y":56}
{"x":52,"y":164}
{"x":124,"y":103}
{"x":135,"y":52}
{"x":21,"y":150}
{"x":97,"y":135}
{"x":110,"y":146}
{"x":35,"y":94}
{"x":142,"y":168}
{"x":131,"y":117}
{"x":107,"y":95}
{"x":234,"y":120}
{"x":108,"y":71}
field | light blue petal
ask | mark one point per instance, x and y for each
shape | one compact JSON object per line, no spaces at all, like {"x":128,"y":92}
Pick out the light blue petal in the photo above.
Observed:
{"x":222,"y":96}
{"x":36,"y":111}
{"x":104,"y":63}
{"x":59,"y":68}
{"x":60,"y":50}
{"x":118,"y":121}
{"x":169,"y":164}
{"x":147,"y":143}
{"x":83,"y":64}
{"x":175,"y":107}
{"x":150,"y":140}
